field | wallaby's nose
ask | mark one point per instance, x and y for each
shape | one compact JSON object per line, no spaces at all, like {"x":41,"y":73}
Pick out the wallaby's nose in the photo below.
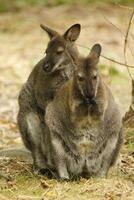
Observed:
{"x":47,"y":67}
{"x":90,"y":100}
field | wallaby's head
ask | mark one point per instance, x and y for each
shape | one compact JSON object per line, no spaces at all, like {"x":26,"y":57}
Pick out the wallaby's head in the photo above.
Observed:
{"x":86,"y":75}
{"x":57,"y":54}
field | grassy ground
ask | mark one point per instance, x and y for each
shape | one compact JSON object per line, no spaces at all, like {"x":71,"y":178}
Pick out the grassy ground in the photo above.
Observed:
{"x":24,"y":184}
{"x":22,"y":45}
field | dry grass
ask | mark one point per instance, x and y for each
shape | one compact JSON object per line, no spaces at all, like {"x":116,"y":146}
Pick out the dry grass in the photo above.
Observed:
{"x":23,"y":184}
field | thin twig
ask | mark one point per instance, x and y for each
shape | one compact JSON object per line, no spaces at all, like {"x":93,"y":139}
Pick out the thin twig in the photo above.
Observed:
{"x":117,"y":28}
{"x":24,"y":167}
{"x":125,"y":43}
{"x":107,"y":58}
{"x":112,"y":24}
{"x":125,"y":7}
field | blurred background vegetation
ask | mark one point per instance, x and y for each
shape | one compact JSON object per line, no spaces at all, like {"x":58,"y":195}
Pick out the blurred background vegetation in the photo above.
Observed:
{"x":22,"y":45}
{"x":16,"y":5}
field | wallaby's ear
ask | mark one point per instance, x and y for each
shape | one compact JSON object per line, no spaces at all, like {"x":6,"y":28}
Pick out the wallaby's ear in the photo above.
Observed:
{"x":95,"y":53}
{"x":51,"y":33}
{"x":72,"y":33}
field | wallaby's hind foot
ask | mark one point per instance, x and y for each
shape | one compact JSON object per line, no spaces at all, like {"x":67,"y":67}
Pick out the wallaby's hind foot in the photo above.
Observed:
{"x":63,"y":175}
{"x":49,"y":173}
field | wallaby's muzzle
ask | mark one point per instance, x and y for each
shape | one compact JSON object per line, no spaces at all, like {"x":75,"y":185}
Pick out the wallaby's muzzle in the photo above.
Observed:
{"x":90,"y":100}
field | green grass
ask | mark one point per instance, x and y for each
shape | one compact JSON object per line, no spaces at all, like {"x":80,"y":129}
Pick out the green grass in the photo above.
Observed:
{"x":113,"y":71}
{"x":15,"y":5}
{"x":110,"y":70}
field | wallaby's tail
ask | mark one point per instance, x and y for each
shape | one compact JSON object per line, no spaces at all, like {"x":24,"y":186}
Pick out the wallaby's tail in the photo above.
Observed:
{"x":18,"y":153}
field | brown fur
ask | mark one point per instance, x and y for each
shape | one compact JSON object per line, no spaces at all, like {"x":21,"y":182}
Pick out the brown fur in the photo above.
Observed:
{"x":45,"y":79}
{"x":84,"y":122}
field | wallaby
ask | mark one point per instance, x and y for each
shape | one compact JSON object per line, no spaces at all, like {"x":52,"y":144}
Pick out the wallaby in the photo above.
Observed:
{"x":45,"y":79}
{"x":84,"y":122}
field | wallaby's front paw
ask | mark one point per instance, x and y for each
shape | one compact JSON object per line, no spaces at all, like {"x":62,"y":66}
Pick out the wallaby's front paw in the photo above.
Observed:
{"x":38,"y":171}
{"x":45,"y":172}
{"x":62,"y":179}
{"x":64,"y":176}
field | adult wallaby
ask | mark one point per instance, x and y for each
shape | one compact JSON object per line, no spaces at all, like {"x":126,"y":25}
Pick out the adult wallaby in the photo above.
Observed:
{"x":84,"y":122}
{"x":45,"y":79}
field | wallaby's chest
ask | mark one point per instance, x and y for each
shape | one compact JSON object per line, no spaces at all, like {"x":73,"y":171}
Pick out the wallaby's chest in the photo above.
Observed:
{"x":87,"y":137}
{"x":88,"y":128}
{"x":89,"y":150}
{"x":83,"y":117}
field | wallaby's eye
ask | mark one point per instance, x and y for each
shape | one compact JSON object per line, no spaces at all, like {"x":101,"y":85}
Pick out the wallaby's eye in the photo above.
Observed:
{"x":95,"y":77}
{"x":80,"y":78}
{"x":60,"y":50}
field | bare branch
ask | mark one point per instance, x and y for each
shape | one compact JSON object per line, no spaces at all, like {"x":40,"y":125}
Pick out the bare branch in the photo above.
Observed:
{"x":107,"y":58}
{"x":119,"y":31}
{"x":126,"y":41}
{"x":126,"y":7}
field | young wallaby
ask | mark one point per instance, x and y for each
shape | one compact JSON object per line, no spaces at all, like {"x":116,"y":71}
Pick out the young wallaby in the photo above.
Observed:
{"x":84,"y":122}
{"x":45,"y":79}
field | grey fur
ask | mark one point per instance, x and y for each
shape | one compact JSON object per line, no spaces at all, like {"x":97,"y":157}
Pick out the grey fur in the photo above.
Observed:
{"x":85,"y":138}
{"x":39,"y":91}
